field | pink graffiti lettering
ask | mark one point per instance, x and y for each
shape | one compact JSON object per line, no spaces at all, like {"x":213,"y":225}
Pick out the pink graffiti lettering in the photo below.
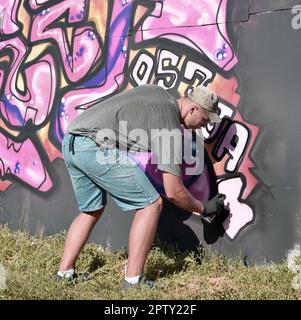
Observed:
{"x":40,"y":82}
{"x":85,"y":50}
{"x":80,"y":63}
{"x":75,"y":101}
{"x":22,"y":161}
{"x":8,"y":16}
{"x":179,"y":21}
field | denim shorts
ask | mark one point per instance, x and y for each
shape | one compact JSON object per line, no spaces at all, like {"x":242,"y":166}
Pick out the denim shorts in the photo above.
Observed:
{"x":95,"y":171}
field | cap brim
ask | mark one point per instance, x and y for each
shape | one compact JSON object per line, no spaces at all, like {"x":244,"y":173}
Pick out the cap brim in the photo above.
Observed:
{"x":213,"y":117}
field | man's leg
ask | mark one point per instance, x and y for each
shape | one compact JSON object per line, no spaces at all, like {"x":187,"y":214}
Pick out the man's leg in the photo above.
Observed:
{"x":77,"y":236}
{"x":141,"y":238}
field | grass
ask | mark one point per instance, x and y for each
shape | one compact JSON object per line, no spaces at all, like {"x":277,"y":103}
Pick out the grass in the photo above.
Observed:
{"x":30,"y":261}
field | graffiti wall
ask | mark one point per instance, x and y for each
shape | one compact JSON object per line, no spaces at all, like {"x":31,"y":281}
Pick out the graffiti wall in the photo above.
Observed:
{"x":59,"y":57}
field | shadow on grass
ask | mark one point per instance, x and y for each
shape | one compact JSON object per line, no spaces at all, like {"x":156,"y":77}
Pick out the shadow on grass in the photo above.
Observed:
{"x":167,"y":259}
{"x":177,"y":245}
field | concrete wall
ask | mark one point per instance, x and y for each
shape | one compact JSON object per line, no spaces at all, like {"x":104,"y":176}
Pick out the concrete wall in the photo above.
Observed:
{"x":60,"y":57}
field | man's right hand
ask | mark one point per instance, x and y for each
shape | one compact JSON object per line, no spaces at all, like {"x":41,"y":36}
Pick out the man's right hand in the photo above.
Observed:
{"x":214,"y":205}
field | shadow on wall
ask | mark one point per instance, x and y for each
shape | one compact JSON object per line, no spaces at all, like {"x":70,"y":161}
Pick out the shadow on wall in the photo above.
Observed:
{"x":173,"y":229}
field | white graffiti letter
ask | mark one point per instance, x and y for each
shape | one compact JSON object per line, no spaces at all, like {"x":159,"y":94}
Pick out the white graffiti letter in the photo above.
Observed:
{"x":240,"y":213}
{"x":234,"y":143}
{"x":193,"y":70}
{"x":143,"y":69}
{"x":166,"y":67}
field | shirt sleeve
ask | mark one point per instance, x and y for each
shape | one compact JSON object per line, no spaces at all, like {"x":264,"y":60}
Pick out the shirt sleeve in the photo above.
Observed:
{"x":166,"y":146}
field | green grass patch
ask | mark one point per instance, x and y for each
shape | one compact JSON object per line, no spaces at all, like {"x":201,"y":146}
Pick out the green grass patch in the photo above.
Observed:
{"x":30,"y":262}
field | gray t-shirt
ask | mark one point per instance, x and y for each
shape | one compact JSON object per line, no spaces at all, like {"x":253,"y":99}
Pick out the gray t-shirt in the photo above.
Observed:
{"x":143,"y":118}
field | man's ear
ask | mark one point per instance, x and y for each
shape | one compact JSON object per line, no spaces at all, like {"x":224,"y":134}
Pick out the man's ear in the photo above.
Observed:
{"x":194,"y":108}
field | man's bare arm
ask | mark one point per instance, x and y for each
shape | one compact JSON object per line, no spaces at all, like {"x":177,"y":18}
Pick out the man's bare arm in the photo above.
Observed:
{"x":178,"y":194}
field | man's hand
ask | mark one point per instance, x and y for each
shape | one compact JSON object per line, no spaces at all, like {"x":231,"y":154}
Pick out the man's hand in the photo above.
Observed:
{"x":214,"y":205}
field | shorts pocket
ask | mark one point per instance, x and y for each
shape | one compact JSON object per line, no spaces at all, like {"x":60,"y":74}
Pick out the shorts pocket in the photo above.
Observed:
{"x":90,"y":162}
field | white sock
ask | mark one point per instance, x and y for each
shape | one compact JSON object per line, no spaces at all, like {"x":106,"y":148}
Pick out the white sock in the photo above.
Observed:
{"x":132,"y":280}
{"x":66,"y":273}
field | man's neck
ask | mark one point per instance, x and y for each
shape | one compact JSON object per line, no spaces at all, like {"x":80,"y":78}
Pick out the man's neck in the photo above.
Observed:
{"x":181,"y":105}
